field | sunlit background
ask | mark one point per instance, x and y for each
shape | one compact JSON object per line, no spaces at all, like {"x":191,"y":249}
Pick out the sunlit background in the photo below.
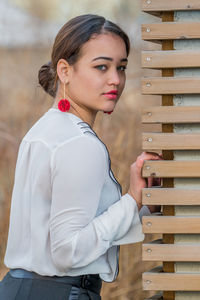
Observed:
{"x":27,"y":32}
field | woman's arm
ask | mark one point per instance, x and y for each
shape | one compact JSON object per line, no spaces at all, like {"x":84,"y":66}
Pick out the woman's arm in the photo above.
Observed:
{"x":77,"y":236}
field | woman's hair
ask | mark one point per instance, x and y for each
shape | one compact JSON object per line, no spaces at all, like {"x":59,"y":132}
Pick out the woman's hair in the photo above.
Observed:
{"x":68,"y":43}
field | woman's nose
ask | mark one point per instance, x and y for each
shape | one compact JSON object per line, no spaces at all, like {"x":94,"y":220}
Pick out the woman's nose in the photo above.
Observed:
{"x":114,"y":78}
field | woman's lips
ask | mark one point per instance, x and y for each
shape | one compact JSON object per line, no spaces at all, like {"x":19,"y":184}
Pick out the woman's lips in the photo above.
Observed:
{"x":111,"y":94}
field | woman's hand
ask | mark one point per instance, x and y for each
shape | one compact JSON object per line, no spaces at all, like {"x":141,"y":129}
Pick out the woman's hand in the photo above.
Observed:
{"x":137,"y":182}
{"x":154,"y":182}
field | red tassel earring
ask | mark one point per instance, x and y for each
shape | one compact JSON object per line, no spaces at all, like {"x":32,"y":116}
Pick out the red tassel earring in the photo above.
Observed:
{"x":64,"y":104}
{"x":108,"y":112}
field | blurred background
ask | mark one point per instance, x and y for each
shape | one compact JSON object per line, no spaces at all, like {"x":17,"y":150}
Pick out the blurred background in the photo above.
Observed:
{"x":27,"y":32}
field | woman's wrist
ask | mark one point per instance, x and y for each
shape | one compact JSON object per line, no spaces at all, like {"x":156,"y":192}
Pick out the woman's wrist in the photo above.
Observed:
{"x":138,"y":204}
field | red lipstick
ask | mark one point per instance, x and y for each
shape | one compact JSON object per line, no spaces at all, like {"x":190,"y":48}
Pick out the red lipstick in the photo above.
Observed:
{"x":111,"y":94}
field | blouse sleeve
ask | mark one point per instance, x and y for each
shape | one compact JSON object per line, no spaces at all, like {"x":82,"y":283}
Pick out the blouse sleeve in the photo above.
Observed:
{"x":144,"y":211}
{"x":77,"y":237}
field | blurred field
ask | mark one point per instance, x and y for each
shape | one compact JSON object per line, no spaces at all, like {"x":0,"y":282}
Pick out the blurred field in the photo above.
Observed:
{"x":22,"y":102}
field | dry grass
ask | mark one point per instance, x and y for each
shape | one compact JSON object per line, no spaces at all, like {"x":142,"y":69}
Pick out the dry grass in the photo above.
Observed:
{"x":22,"y":102}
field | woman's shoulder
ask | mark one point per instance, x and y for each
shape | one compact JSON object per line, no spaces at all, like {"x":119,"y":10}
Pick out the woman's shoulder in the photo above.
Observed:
{"x":53,"y":128}
{"x":56,"y":129}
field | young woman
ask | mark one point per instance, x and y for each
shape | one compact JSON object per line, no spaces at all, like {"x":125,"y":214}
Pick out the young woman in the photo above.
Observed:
{"x":68,"y":215}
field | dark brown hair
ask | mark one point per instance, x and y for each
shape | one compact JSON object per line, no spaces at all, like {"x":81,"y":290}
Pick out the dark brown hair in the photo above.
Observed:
{"x":68,"y":43}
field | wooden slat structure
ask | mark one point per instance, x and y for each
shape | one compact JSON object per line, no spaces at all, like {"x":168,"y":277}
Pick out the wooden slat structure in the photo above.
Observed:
{"x":170,"y":59}
{"x":157,"y":281}
{"x":171,"y":224}
{"x":169,"y":85}
{"x":153,"y":6}
{"x":170,"y":252}
{"x":174,"y":59}
{"x":171,"y":141}
{"x":171,"y":31}
{"x":171,"y":115}
{"x":169,"y":169}
{"x":170,"y":196}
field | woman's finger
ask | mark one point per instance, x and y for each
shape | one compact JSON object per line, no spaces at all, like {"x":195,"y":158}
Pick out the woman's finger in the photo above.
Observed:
{"x":150,"y":156}
{"x":139,"y":165}
{"x":156,"y":182}
{"x":150,"y":181}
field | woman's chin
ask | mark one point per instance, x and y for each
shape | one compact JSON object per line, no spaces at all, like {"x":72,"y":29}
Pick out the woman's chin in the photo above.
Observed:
{"x":108,"y":109}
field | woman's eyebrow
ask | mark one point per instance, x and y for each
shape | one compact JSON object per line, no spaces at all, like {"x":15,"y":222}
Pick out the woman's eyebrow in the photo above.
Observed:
{"x":109,"y":58}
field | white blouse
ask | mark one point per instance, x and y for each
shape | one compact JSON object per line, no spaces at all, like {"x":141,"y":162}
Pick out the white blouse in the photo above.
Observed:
{"x":68,"y":216}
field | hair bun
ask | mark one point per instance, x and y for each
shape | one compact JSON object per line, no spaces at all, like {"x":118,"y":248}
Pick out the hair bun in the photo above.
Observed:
{"x":46,"y":78}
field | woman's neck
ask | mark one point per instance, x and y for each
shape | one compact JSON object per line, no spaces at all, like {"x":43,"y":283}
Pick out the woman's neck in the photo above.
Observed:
{"x":83,"y":114}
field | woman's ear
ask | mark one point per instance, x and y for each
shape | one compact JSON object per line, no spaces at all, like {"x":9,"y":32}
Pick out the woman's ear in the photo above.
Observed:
{"x":63,"y":70}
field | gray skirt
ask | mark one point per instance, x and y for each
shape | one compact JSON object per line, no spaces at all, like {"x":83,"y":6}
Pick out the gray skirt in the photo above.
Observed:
{"x":45,"y":288}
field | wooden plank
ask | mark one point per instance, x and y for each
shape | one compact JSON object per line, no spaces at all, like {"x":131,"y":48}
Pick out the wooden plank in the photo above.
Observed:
{"x":170,"y":141}
{"x":169,"y":169}
{"x":170,"y":224}
{"x":170,"y":59}
{"x":170,"y":31}
{"x":170,"y":196}
{"x":168,"y":154}
{"x":170,"y":252}
{"x":153,"y":281}
{"x":171,"y":114}
{"x":169,"y":5}
{"x":170,"y":85}
{"x":168,"y":45}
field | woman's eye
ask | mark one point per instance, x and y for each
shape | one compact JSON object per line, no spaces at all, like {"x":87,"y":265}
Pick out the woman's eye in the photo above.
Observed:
{"x":122,"y":68}
{"x":104,"y":68}
{"x":101,"y":67}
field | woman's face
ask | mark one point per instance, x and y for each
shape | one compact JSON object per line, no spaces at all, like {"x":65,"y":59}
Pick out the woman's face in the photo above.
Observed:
{"x":99,"y":70}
